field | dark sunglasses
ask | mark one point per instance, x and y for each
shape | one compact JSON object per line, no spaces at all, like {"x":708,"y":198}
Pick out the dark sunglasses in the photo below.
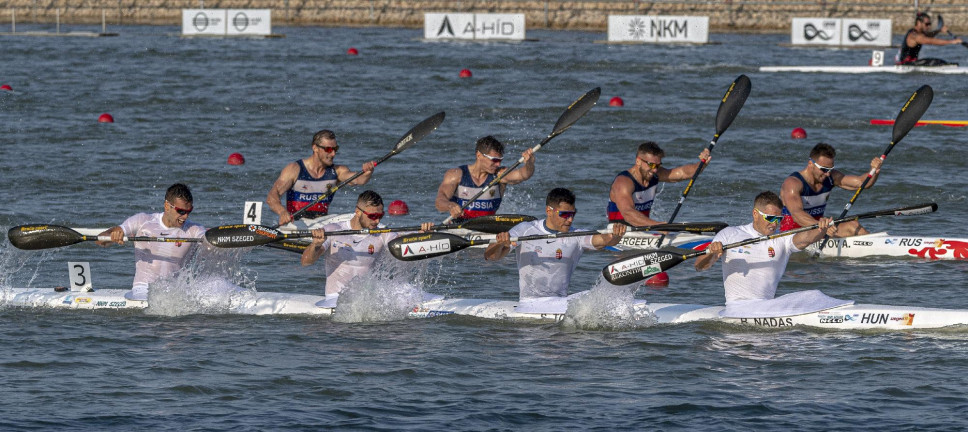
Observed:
{"x":372,"y":216}
{"x":565,"y":214}
{"x":329,"y":149}
{"x":181,"y":211}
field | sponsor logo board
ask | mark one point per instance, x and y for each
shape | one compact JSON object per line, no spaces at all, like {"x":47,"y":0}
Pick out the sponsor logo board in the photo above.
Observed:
{"x":658,"y":28}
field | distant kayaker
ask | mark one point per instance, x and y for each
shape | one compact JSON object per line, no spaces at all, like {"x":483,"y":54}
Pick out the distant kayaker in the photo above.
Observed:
{"x":920,"y":35}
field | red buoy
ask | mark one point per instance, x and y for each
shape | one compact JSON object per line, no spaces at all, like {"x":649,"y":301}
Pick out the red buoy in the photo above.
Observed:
{"x":616,"y":102}
{"x":466,"y":73}
{"x":236,"y":159}
{"x":798,"y":133}
{"x":6,"y":87}
{"x":352,"y":51}
{"x":660,"y":279}
{"x":105,"y":118}
{"x":398,"y":208}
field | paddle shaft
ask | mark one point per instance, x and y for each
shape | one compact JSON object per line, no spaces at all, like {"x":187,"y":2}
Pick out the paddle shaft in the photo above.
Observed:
{"x":724,"y":118}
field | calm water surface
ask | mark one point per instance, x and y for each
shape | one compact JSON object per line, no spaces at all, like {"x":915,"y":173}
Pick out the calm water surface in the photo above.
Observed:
{"x":183,"y":105}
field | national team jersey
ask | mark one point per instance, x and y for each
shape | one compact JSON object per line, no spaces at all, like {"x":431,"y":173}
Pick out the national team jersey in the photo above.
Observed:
{"x":349,"y":256}
{"x":814,"y":202}
{"x":486,"y":205}
{"x":545,"y":266}
{"x":753,"y":271}
{"x":906,"y":54}
{"x":308,"y":189}
{"x":155,"y":260}
{"x":642,"y":197}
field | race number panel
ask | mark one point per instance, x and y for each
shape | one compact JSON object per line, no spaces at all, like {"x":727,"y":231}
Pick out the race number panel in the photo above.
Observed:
{"x":80,"y":273}
{"x":253,"y":213}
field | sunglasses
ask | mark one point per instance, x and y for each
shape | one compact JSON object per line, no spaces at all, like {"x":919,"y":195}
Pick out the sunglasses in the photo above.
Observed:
{"x":770,"y":219}
{"x":565,"y":214}
{"x":372,"y":216}
{"x":181,"y":211}
{"x":821,"y":167}
{"x":493,"y":158}
{"x":333,"y":149}
{"x":651,"y":164}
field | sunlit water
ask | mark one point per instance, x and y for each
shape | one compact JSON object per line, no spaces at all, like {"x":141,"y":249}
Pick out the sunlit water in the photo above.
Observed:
{"x":183,"y":105}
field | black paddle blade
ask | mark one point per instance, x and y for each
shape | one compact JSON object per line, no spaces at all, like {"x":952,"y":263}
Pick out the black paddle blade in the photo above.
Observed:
{"x":576,"y":110}
{"x":34,"y":237}
{"x":495,"y":224}
{"x":419,"y":131}
{"x":692,"y":227}
{"x":732,"y":102}
{"x":912,"y":111}
{"x":639,"y":267}
{"x":914,"y":210}
{"x":415,"y":247}
{"x":234,"y":236}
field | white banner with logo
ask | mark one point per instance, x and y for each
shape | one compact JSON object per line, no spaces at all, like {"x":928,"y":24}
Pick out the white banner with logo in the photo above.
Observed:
{"x":866,"y":32}
{"x":210,"y":22}
{"x":256,"y":22}
{"x":840,"y":32}
{"x":468,"y":26}
{"x":658,"y":29}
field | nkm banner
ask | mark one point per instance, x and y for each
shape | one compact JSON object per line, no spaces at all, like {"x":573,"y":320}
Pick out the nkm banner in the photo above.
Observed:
{"x":226,"y":22}
{"x":470,"y":26}
{"x":841,"y":32}
{"x":658,"y":29}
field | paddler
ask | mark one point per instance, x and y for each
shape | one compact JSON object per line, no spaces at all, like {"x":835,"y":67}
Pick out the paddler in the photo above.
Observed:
{"x":349,"y":256}
{"x":156,"y":260}
{"x":545,"y":266}
{"x":805,"y":192}
{"x":920,"y":35}
{"x":633,"y":190}
{"x":464,"y":182}
{"x":305,"y":180}
{"x":752,"y":272}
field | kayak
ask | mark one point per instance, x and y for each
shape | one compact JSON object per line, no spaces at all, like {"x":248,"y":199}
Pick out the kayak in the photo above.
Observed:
{"x":896,"y":69}
{"x":846,"y":317}
{"x":884,"y":244}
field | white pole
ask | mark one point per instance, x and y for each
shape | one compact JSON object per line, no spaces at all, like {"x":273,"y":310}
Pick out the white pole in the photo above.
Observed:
{"x":57,"y":14}
{"x":104,"y":21}
{"x":13,"y":20}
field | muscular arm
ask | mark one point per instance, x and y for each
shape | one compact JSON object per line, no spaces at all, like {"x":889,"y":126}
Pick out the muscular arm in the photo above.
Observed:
{"x":684,"y":172}
{"x":621,"y":195}
{"x":524,"y":172}
{"x":601,"y":240}
{"x":499,"y":249}
{"x":282,"y":184}
{"x":803,"y":239}
{"x":915,"y":38}
{"x":343,"y":173}
{"x":315,"y":249}
{"x":852,"y":182}
{"x":713,"y":253}
{"x":790,"y":195}
{"x":446,"y":191}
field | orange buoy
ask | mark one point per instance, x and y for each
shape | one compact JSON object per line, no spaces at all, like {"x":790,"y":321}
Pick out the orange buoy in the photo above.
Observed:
{"x":236,"y":159}
{"x":105,"y":118}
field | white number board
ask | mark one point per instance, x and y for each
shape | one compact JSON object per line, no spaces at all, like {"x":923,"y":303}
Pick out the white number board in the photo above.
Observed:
{"x":815,"y":31}
{"x":248,"y":22}
{"x":468,"y":26}
{"x":866,"y":32}
{"x":80,"y":273}
{"x":253,"y":213}
{"x":209,"y":22}
{"x":658,"y":28}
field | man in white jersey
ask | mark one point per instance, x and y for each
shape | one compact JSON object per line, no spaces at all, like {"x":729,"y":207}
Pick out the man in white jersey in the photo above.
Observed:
{"x":349,"y":256}
{"x":752,"y":272}
{"x":304,"y":180}
{"x":153,"y":260}
{"x":545,"y":266}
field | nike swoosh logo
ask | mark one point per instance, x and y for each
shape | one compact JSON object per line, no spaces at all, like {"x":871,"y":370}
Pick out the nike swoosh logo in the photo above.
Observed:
{"x":551,"y":241}
{"x":357,"y":241}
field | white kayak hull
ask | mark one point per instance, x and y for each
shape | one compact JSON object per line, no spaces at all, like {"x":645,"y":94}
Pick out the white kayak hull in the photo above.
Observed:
{"x":884,"y":244}
{"x":949,"y":70}
{"x":851,"y":317}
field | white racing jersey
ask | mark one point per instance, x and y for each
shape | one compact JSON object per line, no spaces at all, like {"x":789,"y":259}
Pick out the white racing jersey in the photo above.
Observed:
{"x":545,"y":266}
{"x":752,"y":272}
{"x":155,"y":260}
{"x":349,"y":256}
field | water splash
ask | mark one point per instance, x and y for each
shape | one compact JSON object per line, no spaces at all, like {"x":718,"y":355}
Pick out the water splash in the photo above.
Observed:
{"x":211,"y":283}
{"x":607,"y":307}
{"x":387,"y":293}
